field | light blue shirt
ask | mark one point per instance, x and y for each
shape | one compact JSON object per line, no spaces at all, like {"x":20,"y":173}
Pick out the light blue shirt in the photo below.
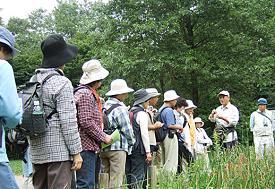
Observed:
{"x":10,"y":109}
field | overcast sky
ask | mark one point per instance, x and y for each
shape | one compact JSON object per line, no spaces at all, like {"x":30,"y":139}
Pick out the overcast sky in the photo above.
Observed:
{"x":21,"y":8}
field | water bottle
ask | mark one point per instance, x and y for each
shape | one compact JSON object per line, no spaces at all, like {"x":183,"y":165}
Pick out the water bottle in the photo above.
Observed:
{"x":37,"y":109}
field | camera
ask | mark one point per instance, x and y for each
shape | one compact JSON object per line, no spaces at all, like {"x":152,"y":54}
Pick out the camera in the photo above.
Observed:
{"x":171,"y":133}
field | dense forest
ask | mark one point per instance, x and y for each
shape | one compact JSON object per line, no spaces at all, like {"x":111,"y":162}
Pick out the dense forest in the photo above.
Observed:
{"x":197,"y":47}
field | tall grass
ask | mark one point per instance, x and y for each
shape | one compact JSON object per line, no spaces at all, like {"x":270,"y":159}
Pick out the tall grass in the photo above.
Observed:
{"x":236,"y":168}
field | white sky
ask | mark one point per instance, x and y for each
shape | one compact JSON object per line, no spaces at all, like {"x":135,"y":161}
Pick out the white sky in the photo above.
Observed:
{"x":21,"y":8}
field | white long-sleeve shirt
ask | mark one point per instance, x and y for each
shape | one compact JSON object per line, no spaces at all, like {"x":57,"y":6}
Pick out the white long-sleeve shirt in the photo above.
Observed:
{"x":142,"y":120}
{"x":232,"y":114}
{"x":202,"y":141}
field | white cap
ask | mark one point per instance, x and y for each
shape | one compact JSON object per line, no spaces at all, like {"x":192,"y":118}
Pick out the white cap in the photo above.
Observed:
{"x":170,"y":95}
{"x":225,"y":93}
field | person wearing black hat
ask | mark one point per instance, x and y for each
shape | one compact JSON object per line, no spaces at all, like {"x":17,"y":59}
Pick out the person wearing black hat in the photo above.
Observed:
{"x":262,"y":125}
{"x":10,"y":110}
{"x":52,"y":152}
{"x":137,"y":162}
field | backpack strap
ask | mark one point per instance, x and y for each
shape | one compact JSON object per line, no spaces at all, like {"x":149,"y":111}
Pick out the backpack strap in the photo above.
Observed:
{"x":42,"y":83}
{"x":80,"y":87}
{"x":108,"y":111}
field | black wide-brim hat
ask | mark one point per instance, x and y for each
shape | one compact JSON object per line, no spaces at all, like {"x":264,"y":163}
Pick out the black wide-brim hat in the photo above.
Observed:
{"x":56,"y":52}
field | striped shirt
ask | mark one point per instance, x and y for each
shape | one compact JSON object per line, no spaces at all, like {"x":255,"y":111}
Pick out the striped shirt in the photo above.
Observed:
{"x":119,"y":118}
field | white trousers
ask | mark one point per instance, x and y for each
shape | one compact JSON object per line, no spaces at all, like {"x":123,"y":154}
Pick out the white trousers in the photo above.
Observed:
{"x":170,"y":154}
{"x":263,"y":144}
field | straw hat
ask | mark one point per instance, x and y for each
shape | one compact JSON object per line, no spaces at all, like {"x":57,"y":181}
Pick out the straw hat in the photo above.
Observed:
{"x":93,"y":71}
{"x":118,"y":86}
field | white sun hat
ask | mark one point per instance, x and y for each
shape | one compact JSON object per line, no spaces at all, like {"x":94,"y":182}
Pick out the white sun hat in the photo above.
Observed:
{"x":153,"y":92}
{"x":225,"y":93}
{"x":170,"y":95}
{"x":190,"y":105}
{"x":119,"y":86}
{"x":93,"y":71}
{"x":198,"y":120}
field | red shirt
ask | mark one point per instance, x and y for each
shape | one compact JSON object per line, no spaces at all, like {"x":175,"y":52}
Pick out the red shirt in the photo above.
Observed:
{"x":89,"y":118}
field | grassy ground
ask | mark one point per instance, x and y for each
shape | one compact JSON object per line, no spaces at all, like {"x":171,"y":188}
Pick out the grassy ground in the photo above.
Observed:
{"x":234,"y":169}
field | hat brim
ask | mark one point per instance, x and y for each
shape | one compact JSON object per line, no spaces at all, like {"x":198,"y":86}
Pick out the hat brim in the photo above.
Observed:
{"x":154,"y":95}
{"x":117,"y":92}
{"x":202,"y":123}
{"x":188,"y":107}
{"x":262,"y":103}
{"x":14,"y":51}
{"x":86,"y":78}
{"x":170,"y":99}
{"x":141,"y":100}
{"x":61,"y":58}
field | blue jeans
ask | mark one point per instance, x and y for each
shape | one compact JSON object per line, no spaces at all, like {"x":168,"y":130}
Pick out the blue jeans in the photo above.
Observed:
{"x":7,"y":176}
{"x":85,"y":177}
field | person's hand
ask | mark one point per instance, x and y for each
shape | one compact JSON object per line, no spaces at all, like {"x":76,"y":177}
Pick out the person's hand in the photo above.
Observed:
{"x":77,"y":162}
{"x":180,"y":130}
{"x":108,"y":139}
{"x":158,"y":124}
{"x":149,"y":157}
{"x":213,"y":112}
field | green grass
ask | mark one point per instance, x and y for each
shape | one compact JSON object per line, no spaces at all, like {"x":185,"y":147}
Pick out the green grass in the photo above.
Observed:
{"x":16,"y":166}
{"x":234,"y":169}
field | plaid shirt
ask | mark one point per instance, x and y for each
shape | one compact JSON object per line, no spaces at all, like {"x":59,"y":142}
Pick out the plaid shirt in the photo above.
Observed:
{"x":89,"y":120}
{"x":61,"y":139}
{"x":119,"y":118}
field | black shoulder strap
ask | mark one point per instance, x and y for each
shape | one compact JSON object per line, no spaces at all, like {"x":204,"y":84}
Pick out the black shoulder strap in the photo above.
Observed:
{"x":48,"y":77}
{"x":107,"y":112}
{"x":265,"y":116}
{"x":42,"y":83}
{"x":80,"y":87}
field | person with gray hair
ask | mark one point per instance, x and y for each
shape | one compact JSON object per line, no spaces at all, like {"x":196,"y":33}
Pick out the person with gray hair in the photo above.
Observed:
{"x":226,"y":118}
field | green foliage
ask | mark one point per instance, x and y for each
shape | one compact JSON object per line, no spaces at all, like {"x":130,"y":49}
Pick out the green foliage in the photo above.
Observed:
{"x":194,"y":47}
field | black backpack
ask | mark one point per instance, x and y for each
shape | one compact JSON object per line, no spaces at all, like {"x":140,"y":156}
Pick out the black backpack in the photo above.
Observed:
{"x":161,"y":132}
{"x":35,"y":121}
{"x":19,"y":142}
{"x":108,"y":127}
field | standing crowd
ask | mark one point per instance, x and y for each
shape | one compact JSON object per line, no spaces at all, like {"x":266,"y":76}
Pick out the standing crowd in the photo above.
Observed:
{"x":71,"y":151}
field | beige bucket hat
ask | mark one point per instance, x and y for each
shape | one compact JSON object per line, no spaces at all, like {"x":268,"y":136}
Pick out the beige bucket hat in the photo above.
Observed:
{"x":119,"y":86}
{"x":93,"y":71}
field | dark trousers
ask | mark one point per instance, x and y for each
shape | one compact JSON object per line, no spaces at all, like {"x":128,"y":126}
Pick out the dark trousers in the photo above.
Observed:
{"x":136,"y":170}
{"x":85,"y":177}
{"x":184,"y":153}
{"x":55,"y":175}
{"x":229,"y":145}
